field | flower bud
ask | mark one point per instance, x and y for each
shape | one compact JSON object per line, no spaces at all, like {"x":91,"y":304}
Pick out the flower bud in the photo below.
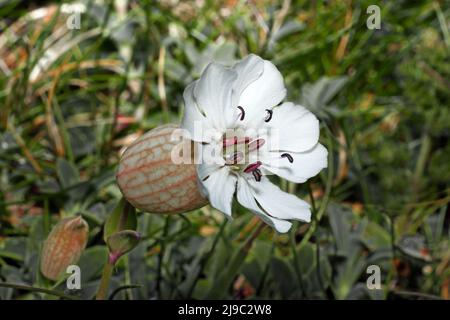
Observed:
{"x":63,"y":246}
{"x":152,"y":181}
{"x":122,"y":242}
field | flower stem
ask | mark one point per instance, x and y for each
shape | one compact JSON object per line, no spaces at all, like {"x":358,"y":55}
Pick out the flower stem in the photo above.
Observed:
{"x":320,"y":212}
{"x":104,"y":282}
{"x":316,"y":223}
{"x":112,"y":257}
{"x":161,"y":257}
{"x":205,"y":258}
{"x":36,"y":289}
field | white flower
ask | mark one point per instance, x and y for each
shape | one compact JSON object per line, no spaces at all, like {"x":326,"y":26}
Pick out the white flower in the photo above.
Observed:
{"x":249,"y":135}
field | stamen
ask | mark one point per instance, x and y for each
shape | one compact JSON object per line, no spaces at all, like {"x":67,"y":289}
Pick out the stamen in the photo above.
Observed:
{"x":257,"y":174}
{"x":242,"y":115}
{"x":288,"y":156}
{"x":253,"y":167}
{"x":269,"y":115}
{"x":226,"y":142}
{"x":205,"y":178}
{"x":256,"y":144}
{"x":234,"y":158}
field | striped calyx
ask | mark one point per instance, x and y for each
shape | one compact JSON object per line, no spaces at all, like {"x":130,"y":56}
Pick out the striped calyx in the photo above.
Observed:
{"x":151,"y":181}
{"x":63,"y":246}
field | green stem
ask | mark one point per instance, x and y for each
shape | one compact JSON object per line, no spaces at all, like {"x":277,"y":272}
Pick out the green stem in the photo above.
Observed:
{"x":35,"y":289}
{"x":361,"y":176}
{"x":104,"y":283}
{"x":206,"y":257}
{"x":297,"y":265}
{"x":416,"y":295}
{"x":425,"y":148}
{"x":316,"y":223}
{"x":112,"y":259}
{"x":128,"y":277}
{"x":326,"y":197}
{"x":424,"y":152}
{"x":125,"y":287}
{"x":161,"y":257}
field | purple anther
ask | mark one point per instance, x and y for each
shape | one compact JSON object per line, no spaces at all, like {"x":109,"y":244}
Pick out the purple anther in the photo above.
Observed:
{"x":252,"y":167}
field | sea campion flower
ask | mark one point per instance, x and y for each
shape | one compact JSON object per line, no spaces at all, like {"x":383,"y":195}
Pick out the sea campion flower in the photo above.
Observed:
{"x":247,"y":133}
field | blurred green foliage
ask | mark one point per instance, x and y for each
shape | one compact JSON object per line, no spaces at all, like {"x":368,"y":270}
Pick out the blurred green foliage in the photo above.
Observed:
{"x":71,"y":99}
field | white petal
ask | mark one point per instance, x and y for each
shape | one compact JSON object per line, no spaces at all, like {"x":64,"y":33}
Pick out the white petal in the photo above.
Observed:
{"x":293,"y":128}
{"x":209,"y":161}
{"x":210,"y":154}
{"x":305,"y":164}
{"x":219,"y":186}
{"x":280,"y":204}
{"x":264,"y":93}
{"x":213,"y":94}
{"x":193,"y":120}
{"x":248,"y":69}
{"x":245,"y":196}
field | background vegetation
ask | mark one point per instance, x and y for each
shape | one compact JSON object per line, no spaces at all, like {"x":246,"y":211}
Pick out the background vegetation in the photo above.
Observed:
{"x":71,"y":100}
